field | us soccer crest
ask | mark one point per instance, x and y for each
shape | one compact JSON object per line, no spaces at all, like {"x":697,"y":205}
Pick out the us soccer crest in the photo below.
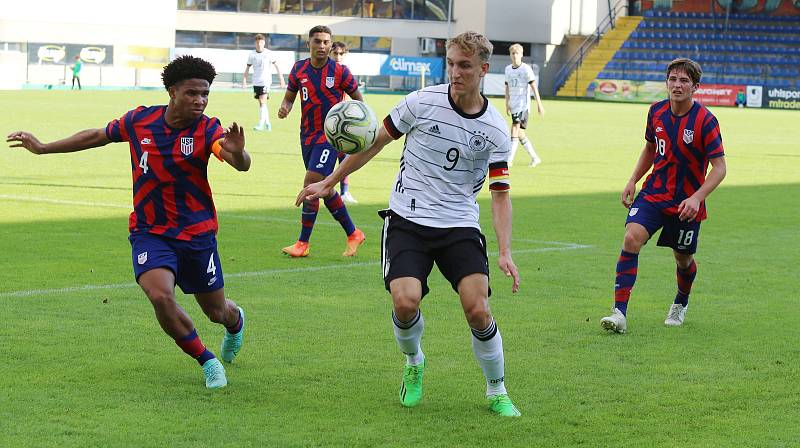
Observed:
{"x":688,"y":136}
{"x":329,"y":80}
{"x":187,"y":145}
{"x":142,"y":258}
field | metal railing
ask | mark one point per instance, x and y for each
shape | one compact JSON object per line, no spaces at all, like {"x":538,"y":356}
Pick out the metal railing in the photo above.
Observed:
{"x":575,"y":61}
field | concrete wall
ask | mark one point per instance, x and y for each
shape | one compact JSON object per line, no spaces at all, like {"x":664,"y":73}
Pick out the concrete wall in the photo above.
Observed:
{"x":152,"y":23}
{"x":141,"y":22}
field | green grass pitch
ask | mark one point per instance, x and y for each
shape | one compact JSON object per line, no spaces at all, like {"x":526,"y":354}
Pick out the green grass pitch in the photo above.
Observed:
{"x":84,"y":362}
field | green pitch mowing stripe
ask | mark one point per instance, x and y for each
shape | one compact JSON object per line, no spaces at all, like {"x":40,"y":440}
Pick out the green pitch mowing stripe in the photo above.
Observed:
{"x":320,"y":365}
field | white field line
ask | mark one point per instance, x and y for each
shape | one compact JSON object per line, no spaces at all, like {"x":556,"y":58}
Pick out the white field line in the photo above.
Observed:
{"x":14,"y":197}
{"x":560,"y":246}
{"x":555,"y":246}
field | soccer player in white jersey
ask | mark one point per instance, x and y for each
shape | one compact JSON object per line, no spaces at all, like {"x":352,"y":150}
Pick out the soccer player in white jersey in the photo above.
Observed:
{"x":262,"y":60}
{"x":520,"y":82}
{"x":455,"y":141}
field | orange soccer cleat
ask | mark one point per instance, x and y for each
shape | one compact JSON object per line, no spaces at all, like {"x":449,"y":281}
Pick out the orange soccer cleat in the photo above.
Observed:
{"x":296,"y":250}
{"x":353,"y":241}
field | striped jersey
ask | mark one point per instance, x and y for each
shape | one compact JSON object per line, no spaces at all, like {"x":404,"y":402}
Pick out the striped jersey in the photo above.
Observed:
{"x":447,"y":157}
{"x":320,"y":89}
{"x":171,"y":195}
{"x":518,"y":80}
{"x":684,"y":144}
{"x":262,"y":66}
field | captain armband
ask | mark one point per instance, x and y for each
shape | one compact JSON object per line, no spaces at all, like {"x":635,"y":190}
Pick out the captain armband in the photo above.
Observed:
{"x":498,"y":177}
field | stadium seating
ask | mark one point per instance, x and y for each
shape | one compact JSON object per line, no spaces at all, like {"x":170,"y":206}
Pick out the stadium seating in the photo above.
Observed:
{"x":751,"y":49}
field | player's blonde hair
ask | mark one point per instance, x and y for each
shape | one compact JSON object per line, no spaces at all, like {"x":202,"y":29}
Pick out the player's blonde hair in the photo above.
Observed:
{"x":470,"y":42}
{"x":515,"y":47}
{"x":689,"y":66}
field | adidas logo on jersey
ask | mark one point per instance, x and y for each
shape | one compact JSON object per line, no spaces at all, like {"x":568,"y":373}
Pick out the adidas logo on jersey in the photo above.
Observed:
{"x":434,"y":130}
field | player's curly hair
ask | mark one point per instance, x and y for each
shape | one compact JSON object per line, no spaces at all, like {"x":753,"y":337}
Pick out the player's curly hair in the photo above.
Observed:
{"x":187,"y":67}
{"x":471,"y":42}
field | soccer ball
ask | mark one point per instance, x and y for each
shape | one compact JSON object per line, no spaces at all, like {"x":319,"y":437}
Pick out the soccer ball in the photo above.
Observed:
{"x":351,"y":126}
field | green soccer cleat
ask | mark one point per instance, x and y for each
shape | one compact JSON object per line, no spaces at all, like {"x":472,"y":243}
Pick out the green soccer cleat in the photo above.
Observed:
{"x":215,"y":374}
{"x":502,"y":405}
{"x":232,"y":343}
{"x":411,"y":387}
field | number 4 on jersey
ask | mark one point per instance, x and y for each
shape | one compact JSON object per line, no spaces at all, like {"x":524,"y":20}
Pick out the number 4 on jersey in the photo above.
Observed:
{"x":143,"y":162}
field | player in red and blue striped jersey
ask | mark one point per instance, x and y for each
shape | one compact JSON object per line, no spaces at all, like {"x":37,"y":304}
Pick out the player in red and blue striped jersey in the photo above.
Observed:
{"x":173,"y":225}
{"x":683,"y":137}
{"x":322,"y":83}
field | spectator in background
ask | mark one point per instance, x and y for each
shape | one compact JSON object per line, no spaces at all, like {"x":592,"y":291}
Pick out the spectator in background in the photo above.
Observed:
{"x":76,"y":72}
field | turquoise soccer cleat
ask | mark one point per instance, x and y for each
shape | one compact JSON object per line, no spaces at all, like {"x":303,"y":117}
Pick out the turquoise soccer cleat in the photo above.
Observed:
{"x":232,"y":343}
{"x":215,"y":374}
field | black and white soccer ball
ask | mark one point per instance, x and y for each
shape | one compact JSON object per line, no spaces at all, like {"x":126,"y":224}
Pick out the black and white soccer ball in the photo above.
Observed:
{"x":351,"y":126}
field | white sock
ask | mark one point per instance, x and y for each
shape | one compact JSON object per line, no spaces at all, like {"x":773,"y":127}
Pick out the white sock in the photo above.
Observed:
{"x":529,"y":147}
{"x":408,"y":336}
{"x":514,"y":145}
{"x":487,"y":345}
{"x":263,"y":115}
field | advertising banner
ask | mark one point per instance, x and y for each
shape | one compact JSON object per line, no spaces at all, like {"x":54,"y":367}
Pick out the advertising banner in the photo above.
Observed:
{"x":755,"y":95}
{"x":147,"y":57}
{"x":720,"y":94}
{"x":49,"y":53}
{"x":624,"y":90}
{"x":780,"y":98}
{"x":411,"y":66}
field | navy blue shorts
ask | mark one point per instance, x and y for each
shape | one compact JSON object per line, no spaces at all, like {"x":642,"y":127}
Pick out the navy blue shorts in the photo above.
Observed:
{"x":681,"y":236}
{"x":195,"y":263}
{"x":320,"y":158}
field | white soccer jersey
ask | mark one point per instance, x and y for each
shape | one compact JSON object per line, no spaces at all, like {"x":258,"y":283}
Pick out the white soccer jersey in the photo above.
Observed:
{"x":446,"y":159}
{"x":262,"y":67}
{"x":519,"y":90}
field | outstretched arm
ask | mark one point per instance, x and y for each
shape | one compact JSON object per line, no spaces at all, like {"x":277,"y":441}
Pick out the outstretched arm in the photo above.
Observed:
{"x":232,"y":148}
{"x":351,"y":163}
{"x":86,"y":139}
{"x":501,"y":219}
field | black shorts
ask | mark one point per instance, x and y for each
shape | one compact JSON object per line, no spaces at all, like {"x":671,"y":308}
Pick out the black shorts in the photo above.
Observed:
{"x":409,"y":250}
{"x":260,"y":90}
{"x":521,"y":118}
